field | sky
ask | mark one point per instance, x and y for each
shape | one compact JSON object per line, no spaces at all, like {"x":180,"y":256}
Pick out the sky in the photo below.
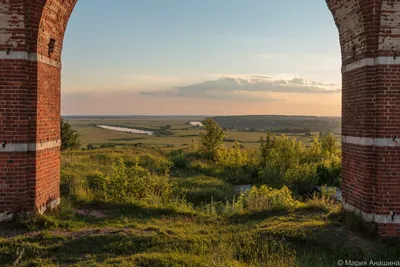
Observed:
{"x":201,"y":57}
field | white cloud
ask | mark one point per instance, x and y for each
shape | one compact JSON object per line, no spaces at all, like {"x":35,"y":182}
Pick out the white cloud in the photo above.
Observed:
{"x":251,"y":88}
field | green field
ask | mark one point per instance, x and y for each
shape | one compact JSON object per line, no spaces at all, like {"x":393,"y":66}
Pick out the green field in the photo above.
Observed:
{"x":166,"y":203}
{"x":200,"y":222}
{"x":182,"y":134}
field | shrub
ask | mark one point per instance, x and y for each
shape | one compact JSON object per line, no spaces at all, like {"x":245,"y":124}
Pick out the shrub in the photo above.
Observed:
{"x":233,"y":162}
{"x":266,"y":198}
{"x":97,"y":182}
{"x":231,"y":158}
{"x":271,"y":176}
{"x":283,"y":153}
{"x":329,"y":171}
{"x":288,"y":162}
{"x":180,"y":162}
{"x":134,"y":183}
{"x":301,"y":179}
{"x":179,"y":159}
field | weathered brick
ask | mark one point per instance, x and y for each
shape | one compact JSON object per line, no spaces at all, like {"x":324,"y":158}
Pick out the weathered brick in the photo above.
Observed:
{"x":31,"y":40}
{"x":30,"y":100}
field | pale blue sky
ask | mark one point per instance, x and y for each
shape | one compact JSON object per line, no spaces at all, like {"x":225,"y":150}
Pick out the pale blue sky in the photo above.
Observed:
{"x":140,"y":51}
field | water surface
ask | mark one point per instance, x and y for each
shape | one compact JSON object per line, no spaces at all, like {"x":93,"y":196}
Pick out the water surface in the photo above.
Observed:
{"x":125,"y":130}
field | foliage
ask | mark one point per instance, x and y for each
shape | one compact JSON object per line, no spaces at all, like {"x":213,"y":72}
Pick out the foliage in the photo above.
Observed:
{"x":198,"y":222}
{"x":328,"y":144}
{"x":97,"y":182}
{"x":136,"y":183}
{"x":115,"y":176}
{"x":285,"y":161}
{"x":266,"y":198}
{"x":283,"y":153}
{"x":231,"y":158}
{"x":212,"y":138}
{"x":69,"y":137}
{"x":329,"y":171}
{"x":301,"y":179}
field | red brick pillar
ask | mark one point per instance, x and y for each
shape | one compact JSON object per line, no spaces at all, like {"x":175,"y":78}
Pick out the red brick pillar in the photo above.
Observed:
{"x":31,"y":38}
{"x":370,"y":41}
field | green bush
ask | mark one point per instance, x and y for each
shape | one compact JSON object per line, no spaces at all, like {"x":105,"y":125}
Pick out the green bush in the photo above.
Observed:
{"x":266,"y":198}
{"x":231,"y":158}
{"x":270,"y":175}
{"x":301,"y":179}
{"x":97,"y":182}
{"x":180,"y":162}
{"x":232,"y":162}
{"x":329,"y":171}
{"x":135,"y":183}
{"x":289,"y":162}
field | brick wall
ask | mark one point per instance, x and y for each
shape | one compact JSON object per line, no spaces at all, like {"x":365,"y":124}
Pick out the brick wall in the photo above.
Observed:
{"x":31,"y":40}
{"x":370,"y":42}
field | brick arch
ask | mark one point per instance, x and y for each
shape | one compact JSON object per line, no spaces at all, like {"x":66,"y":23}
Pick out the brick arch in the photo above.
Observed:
{"x":31,"y":40}
{"x":370,"y":44}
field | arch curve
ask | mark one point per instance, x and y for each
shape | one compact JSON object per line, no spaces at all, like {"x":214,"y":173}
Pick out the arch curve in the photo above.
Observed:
{"x":31,"y":41}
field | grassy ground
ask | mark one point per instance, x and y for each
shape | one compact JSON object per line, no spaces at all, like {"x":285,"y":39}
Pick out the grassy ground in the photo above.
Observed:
{"x":190,"y":232}
{"x":182,"y":134}
{"x":130,"y":235}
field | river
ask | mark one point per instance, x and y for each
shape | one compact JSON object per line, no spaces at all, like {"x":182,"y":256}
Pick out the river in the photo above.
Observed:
{"x":125,"y":130}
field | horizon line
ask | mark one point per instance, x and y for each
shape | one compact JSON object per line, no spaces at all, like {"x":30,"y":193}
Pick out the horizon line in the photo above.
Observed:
{"x":174,"y":115}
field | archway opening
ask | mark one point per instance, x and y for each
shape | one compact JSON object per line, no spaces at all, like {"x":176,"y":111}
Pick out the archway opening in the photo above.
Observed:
{"x":132,"y":59}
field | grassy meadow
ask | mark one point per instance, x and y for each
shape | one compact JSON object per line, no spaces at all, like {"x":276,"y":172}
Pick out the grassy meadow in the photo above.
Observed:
{"x":177,"y":206}
{"x":181,"y":133}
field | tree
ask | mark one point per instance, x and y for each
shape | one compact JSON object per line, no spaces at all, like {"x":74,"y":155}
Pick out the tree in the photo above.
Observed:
{"x":69,"y":137}
{"x":328,"y":144}
{"x":212,"y":138}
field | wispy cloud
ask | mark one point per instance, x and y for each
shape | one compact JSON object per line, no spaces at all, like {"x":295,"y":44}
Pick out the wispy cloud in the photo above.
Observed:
{"x":251,"y":88}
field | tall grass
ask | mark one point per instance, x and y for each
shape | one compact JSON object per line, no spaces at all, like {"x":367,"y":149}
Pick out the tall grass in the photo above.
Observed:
{"x":177,"y":208}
